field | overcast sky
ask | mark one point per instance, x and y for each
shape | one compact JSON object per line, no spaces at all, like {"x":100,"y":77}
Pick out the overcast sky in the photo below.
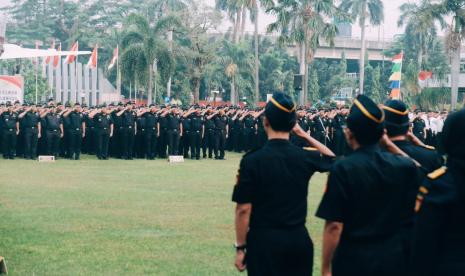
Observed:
{"x":387,"y":30}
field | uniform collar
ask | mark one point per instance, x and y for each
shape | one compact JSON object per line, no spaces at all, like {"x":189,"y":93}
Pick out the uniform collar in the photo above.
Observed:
{"x":278,"y":142}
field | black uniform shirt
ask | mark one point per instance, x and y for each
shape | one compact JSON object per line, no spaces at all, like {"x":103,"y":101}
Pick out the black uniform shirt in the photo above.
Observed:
{"x":163,"y":122}
{"x":9,"y":120}
{"x":173,"y":121}
{"x":428,"y":158}
{"x":30,"y":120}
{"x":128,"y":119}
{"x":186,"y":123}
{"x":141,"y":123}
{"x":53,"y":121}
{"x":274,"y":179}
{"x":249,"y":121}
{"x":220,"y":122}
{"x":151,"y":121}
{"x":102,"y":121}
{"x":196,"y":122}
{"x":117,"y":120}
{"x":75,"y":120}
{"x":439,"y":237}
{"x":370,"y":192}
{"x":209,"y":124}
{"x":418,"y":125}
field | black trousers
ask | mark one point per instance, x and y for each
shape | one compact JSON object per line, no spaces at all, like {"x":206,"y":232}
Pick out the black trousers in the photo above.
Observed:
{"x":195,"y":140}
{"x":74,"y":143}
{"x":9,"y":143}
{"x":127,"y":142}
{"x":173,"y":141}
{"x":162,"y":143}
{"x":30,"y":136}
{"x":279,"y":252}
{"x":249,"y":138}
{"x":185,"y":140}
{"x":53,"y":142}
{"x":237,"y":140}
{"x":150,"y":142}
{"x":339,"y":142}
{"x":208,"y":143}
{"x":102,"y":139}
{"x":220,"y":142}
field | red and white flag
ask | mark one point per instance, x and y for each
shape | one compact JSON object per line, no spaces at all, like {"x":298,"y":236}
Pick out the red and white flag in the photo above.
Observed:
{"x":93,"y":58}
{"x":72,"y":57}
{"x":47,"y":59}
{"x":56,"y":59}
{"x":115,"y":58}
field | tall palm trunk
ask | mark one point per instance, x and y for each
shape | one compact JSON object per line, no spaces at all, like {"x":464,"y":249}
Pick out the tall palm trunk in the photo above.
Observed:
{"x":170,"y":45}
{"x":233,"y":92}
{"x":454,"y":76}
{"x":150,"y":88}
{"x":257,"y":65}
{"x":302,"y":72}
{"x":243,"y":20}
{"x":197,"y":90}
{"x":363,"y":49}
{"x":237,"y":26}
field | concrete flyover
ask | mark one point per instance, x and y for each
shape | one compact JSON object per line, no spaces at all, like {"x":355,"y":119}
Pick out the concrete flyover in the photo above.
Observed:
{"x":350,"y":46}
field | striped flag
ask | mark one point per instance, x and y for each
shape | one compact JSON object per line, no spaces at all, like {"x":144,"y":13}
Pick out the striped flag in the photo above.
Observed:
{"x":396,"y":76}
{"x":93,"y":58}
{"x":115,"y":58}
{"x":72,"y":57}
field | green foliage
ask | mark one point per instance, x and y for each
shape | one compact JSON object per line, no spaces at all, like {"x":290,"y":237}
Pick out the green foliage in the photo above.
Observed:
{"x":28,"y":72}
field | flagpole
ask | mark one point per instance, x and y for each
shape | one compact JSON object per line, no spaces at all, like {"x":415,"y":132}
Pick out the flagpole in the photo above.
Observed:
{"x":76,"y":73}
{"x":400,"y":78}
{"x":118,"y":72}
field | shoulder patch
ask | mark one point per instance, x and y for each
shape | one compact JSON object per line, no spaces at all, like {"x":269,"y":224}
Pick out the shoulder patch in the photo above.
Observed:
{"x":437,"y":173}
{"x":310,"y":149}
{"x":429,"y":147}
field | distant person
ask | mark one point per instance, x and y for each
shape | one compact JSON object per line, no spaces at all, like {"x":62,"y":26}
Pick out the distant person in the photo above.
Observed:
{"x":271,"y":196}
{"x":367,"y":197}
{"x":439,"y":237}
{"x":10,"y":128}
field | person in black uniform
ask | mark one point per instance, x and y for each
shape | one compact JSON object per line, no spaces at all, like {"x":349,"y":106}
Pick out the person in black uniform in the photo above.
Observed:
{"x":271,"y":195}
{"x":186,"y":128}
{"x":221,"y":132}
{"x":238,"y":131}
{"x":367,"y":197}
{"x":419,"y":127}
{"x":53,"y":125}
{"x":439,"y":239}
{"x":139,"y":141}
{"x":397,"y":126}
{"x":31,"y":130}
{"x":338,"y":132}
{"x":10,"y":128}
{"x":128,"y":131}
{"x":197,"y":132}
{"x":104,"y":128}
{"x":115,"y":141}
{"x":174,"y":130}
{"x":76,"y":131}
{"x":209,"y":137}
{"x":320,"y":127}
{"x":163,"y":124}
{"x":152,"y":131}
{"x":250,"y":130}
{"x":303,"y":123}
{"x":261,"y":133}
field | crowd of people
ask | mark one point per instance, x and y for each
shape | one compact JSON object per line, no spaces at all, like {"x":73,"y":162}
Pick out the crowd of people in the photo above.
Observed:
{"x":392,"y":206}
{"x":127,"y":131}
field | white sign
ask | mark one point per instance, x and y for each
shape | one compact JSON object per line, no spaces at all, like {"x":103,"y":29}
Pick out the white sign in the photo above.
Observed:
{"x":46,"y":159}
{"x":268,"y":97}
{"x":176,"y":159}
{"x":11,"y":89}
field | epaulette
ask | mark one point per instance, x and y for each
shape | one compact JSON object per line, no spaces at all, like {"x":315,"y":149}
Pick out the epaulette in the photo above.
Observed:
{"x":310,"y":149}
{"x":428,"y":147}
{"x":437,"y":173}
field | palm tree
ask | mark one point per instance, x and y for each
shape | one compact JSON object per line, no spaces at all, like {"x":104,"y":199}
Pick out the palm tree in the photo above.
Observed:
{"x":236,"y":61}
{"x":304,"y":22}
{"x":141,"y":50}
{"x":420,"y":25}
{"x":362,"y":10}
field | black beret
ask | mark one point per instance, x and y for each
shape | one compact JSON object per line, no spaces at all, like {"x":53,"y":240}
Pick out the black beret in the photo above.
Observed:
{"x":366,"y":120}
{"x":77,"y":104}
{"x":17,"y":102}
{"x":452,"y":140}
{"x":280,"y":112}
{"x":84,"y":105}
{"x":120,"y":104}
{"x":8,"y":104}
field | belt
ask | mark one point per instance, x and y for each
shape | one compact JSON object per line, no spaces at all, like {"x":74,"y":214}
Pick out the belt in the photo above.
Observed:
{"x":105,"y":128}
{"x":10,"y":129}
{"x":55,"y":130}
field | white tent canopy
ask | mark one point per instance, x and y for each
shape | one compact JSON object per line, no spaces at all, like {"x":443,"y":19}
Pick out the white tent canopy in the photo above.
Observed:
{"x":14,"y":51}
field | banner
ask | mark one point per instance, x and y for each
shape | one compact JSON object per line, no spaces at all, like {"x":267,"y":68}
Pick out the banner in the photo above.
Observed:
{"x":11,"y":89}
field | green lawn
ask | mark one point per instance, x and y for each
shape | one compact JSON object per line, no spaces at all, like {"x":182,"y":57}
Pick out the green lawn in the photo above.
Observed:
{"x":118,"y":217}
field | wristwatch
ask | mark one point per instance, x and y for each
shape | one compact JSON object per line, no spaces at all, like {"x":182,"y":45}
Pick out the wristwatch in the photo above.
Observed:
{"x":242,"y":247}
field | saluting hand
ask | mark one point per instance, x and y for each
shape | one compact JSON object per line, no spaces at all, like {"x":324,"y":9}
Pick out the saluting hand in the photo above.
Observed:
{"x":239,"y":263}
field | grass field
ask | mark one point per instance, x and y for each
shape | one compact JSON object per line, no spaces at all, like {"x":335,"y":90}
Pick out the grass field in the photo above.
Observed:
{"x":118,"y":217}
